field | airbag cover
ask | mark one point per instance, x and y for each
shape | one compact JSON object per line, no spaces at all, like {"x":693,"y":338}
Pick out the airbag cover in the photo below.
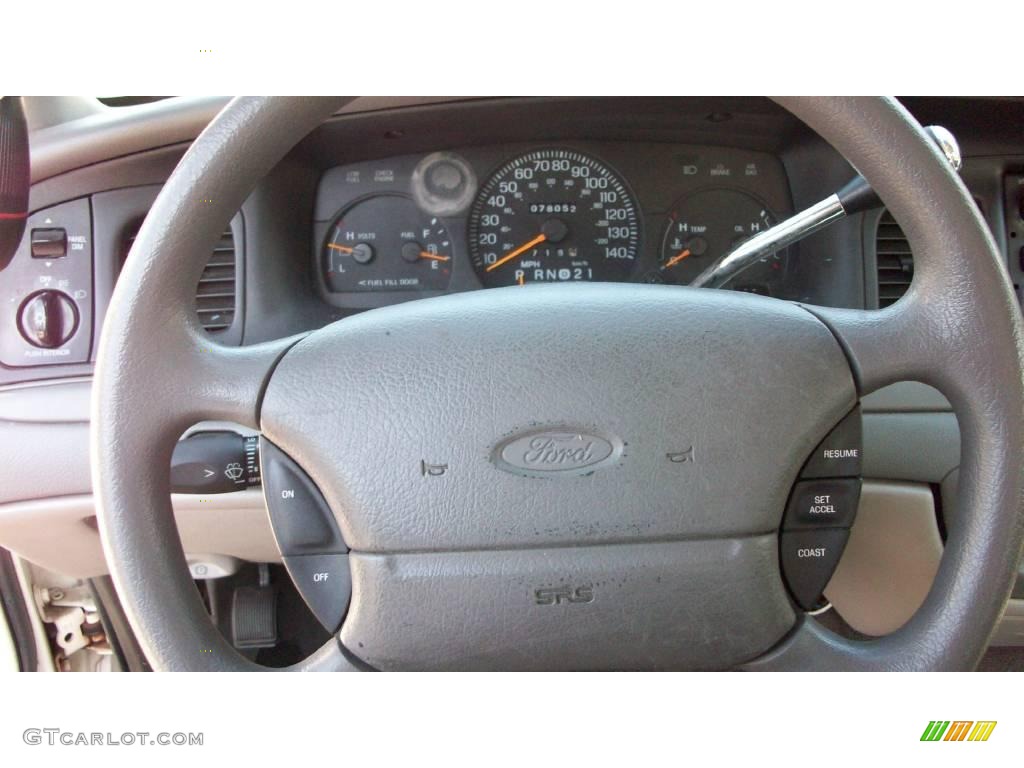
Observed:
{"x":699,"y":407}
{"x":670,"y":605}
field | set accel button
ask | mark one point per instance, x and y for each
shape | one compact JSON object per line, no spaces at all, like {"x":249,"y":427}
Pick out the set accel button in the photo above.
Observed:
{"x":823,"y":504}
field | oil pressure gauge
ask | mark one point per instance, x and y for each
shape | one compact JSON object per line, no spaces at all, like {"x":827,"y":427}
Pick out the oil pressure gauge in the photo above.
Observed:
{"x":386,"y":243}
{"x":709,"y":223}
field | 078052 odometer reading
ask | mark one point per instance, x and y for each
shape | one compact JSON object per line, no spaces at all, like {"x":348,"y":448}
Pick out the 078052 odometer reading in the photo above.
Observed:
{"x":554,"y":215}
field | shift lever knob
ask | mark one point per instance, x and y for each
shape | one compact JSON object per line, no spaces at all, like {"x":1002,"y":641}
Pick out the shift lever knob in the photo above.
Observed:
{"x":858,"y":196}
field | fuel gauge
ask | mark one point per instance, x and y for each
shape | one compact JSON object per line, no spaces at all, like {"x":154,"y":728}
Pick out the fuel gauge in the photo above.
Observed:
{"x":386,"y":243}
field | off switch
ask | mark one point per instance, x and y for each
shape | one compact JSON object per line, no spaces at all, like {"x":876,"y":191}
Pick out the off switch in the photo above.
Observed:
{"x":325,"y":583}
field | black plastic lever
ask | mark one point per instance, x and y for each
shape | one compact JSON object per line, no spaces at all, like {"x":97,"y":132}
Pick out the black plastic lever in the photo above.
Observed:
{"x":857,"y":195}
{"x":14,"y":176}
{"x":215,"y":462}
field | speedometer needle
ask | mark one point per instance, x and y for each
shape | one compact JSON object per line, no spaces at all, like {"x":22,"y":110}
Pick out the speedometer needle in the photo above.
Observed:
{"x":677,"y":258}
{"x":520,"y":250}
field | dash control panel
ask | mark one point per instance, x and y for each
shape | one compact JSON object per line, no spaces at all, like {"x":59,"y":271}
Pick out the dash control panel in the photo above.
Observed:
{"x":820,"y":512}
{"x":46,"y":290}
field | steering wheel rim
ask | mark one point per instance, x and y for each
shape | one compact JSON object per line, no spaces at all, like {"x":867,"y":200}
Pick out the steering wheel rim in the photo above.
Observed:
{"x":958,"y":329}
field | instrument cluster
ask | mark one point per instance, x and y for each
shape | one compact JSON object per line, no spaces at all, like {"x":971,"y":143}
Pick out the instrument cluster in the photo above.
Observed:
{"x":483,"y":217}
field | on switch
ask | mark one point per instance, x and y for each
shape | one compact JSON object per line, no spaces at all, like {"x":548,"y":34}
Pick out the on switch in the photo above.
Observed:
{"x":302,"y":522}
{"x":49,"y":243}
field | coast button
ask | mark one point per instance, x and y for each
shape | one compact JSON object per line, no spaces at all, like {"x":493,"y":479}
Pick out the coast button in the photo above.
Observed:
{"x":808,"y":560}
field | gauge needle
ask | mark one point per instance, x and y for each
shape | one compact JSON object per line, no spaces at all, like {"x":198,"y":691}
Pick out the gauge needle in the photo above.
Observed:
{"x":342,"y":248}
{"x":434,"y":256}
{"x":520,"y":250}
{"x":677,"y":258}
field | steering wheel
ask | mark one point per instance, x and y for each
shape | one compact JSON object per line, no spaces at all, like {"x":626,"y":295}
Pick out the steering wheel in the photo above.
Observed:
{"x":666,"y":563}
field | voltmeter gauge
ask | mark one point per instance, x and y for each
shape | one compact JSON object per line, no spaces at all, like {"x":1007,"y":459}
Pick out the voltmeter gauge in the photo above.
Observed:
{"x":709,"y":223}
{"x":386,"y":243}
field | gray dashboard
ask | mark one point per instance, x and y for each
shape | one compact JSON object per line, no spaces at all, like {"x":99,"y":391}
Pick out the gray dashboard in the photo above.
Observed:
{"x":663,"y":178}
{"x":653,"y":144}
{"x":99,"y":173}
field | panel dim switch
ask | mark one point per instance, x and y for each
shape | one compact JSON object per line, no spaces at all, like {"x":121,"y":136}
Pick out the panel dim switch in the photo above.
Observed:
{"x":49,"y":243}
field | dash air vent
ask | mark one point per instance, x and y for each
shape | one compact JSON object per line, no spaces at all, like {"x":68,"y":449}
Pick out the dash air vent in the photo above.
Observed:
{"x":895,"y":262}
{"x":215,"y":295}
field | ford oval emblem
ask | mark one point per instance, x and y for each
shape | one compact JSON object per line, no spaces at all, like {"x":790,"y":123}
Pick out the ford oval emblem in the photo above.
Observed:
{"x":561,"y":452}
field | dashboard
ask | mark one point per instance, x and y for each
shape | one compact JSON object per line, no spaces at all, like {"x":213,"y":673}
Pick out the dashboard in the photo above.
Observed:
{"x":398,"y":199}
{"x":496,"y":216}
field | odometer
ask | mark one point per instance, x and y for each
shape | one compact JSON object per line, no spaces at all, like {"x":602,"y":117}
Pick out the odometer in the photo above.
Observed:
{"x":554,"y":215}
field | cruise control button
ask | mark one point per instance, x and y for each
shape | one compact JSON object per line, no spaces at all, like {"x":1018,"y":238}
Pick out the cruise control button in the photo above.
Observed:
{"x":303,"y":523}
{"x":839,"y":454}
{"x":823,"y":504}
{"x":808,"y":560}
{"x":325,"y":583}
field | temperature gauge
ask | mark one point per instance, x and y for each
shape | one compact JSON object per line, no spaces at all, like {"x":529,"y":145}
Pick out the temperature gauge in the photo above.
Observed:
{"x":708,"y":224}
{"x":386,"y":243}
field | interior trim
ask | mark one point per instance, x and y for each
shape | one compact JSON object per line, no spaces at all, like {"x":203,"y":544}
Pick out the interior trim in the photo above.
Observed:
{"x":891,"y":559}
{"x":113,"y":132}
{"x":60,"y":534}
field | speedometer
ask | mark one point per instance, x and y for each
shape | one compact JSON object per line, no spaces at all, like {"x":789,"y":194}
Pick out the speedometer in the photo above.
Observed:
{"x":554,"y":215}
